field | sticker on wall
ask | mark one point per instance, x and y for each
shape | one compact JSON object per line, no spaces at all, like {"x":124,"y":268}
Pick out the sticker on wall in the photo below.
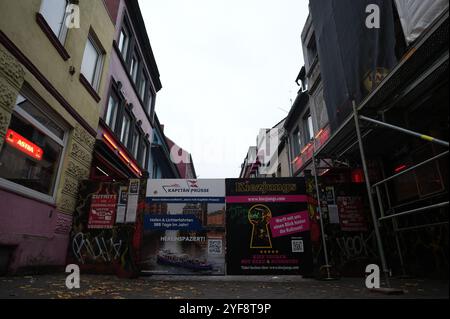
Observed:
{"x":103,"y":211}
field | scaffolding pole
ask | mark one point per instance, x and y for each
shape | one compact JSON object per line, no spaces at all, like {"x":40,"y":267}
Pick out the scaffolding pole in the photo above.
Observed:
{"x":384,"y":181}
{"x":369,"y":193}
{"x":319,"y":207}
{"x":417,"y":210}
{"x":377,"y":185}
{"x":394,"y":223}
{"x":406,"y":131}
{"x":421,"y":226}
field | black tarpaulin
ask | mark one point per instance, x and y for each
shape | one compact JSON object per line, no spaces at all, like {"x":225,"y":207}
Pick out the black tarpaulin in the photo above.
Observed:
{"x":353,"y":58}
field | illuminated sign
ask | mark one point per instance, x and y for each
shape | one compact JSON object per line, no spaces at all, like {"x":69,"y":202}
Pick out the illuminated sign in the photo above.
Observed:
{"x":22,"y":144}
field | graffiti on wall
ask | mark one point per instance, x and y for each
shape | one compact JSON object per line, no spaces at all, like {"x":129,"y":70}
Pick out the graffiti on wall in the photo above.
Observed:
{"x":84,"y":247}
{"x":112,"y":248}
{"x":355,"y":246}
{"x":348,"y":249}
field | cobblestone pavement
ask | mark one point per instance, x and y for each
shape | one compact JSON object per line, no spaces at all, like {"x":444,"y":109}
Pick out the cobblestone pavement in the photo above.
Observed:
{"x":194,"y":287}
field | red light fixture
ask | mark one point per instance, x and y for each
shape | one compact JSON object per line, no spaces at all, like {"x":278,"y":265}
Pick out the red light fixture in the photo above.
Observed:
{"x":400,"y":168}
{"x":110,"y":141}
{"x":306,"y":148}
{"x":319,"y":133}
{"x":122,"y":155}
{"x":137,"y":170}
{"x":357,"y":176}
{"x":22,"y":144}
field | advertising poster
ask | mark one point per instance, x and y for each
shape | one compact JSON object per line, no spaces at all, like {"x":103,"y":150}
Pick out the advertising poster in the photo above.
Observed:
{"x":351,"y":214}
{"x":268,"y":227}
{"x":184,"y":227}
{"x":103,"y":211}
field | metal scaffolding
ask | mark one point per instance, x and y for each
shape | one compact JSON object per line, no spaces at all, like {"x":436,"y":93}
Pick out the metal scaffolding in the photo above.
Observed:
{"x":327,"y":265}
{"x":350,"y":136}
{"x":376,"y":187}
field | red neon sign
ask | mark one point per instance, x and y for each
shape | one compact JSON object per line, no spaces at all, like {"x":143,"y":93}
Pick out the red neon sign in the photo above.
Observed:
{"x":22,"y":144}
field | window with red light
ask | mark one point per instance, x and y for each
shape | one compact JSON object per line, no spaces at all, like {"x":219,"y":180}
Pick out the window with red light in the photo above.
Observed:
{"x":31,"y":153}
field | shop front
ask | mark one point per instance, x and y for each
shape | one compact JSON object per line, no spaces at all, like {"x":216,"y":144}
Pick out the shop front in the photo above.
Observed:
{"x":106,"y":232}
{"x":42,"y":158}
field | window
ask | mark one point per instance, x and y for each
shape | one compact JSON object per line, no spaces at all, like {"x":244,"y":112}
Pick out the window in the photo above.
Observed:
{"x":125,"y":131}
{"x":111,"y":112}
{"x":321,"y":109}
{"x":54,"y":12}
{"x":134,"y":67}
{"x":312,"y":50}
{"x":31,"y":155}
{"x":308,"y":128}
{"x":124,"y":41}
{"x":143,"y":86}
{"x":135,"y":143}
{"x":144,"y":155}
{"x":149,"y":109}
{"x":155,"y":171}
{"x":92,"y":64}
{"x":296,"y":142}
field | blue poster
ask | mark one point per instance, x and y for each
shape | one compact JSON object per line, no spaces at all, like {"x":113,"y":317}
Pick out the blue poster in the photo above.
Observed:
{"x":184,"y":227}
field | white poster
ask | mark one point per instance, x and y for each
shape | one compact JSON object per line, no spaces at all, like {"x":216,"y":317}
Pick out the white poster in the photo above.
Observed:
{"x":122,"y":205}
{"x":184,"y":190}
{"x":132,"y":202}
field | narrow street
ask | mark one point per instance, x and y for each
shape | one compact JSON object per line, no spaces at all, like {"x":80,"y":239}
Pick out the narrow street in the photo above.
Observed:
{"x":224,"y":150}
{"x":195,"y":287}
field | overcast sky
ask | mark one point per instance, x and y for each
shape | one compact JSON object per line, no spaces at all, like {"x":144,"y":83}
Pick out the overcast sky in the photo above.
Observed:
{"x":228,"y":69}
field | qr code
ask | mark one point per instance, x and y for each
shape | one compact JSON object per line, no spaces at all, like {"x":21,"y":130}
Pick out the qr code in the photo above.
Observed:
{"x":215,"y":247}
{"x":297,"y":246}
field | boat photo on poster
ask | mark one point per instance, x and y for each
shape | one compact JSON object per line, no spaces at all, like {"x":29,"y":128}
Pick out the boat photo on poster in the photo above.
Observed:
{"x":184,"y":227}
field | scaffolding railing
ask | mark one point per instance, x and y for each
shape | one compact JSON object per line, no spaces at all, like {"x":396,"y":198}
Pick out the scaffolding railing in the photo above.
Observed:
{"x":429,"y":47}
{"x":376,"y":186}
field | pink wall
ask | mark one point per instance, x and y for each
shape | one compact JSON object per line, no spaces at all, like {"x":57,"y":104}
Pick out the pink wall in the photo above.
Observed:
{"x":39,"y":232}
{"x":113,"y":8}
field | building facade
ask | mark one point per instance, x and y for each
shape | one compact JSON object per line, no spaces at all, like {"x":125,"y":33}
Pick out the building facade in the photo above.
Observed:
{"x":249,"y":167}
{"x":269,"y":158}
{"x":182,"y":159}
{"x":162,"y":166}
{"x":373,"y":178}
{"x":53,"y":68}
{"x":125,"y":134}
